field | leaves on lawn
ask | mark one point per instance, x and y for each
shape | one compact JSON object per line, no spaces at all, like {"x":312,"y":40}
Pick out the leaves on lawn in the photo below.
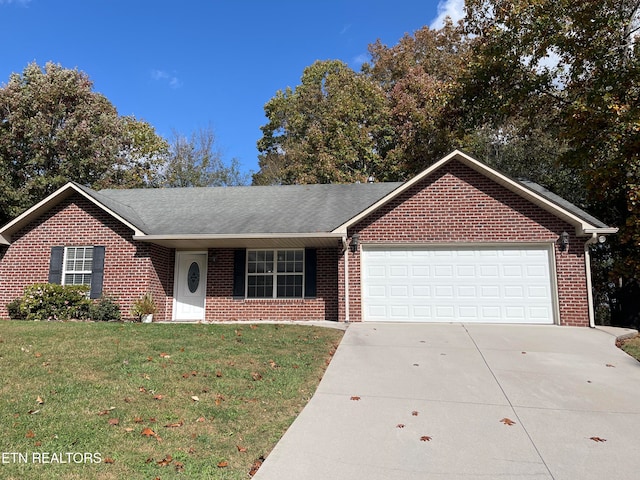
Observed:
{"x":114,"y":421}
{"x":223,"y":464}
{"x":195,"y":398}
{"x":39,"y":400}
{"x":598,"y":439}
{"x":256,"y":376}
{"x":165,"y":355}
{"x":107,"y":411}
{"x":30,"y":434}
{"x":241,"y":449}
{"x":508,"y":421}
{"x":158,"y":397}
{"x":174,"y":425}
{"x":256,"y":466}
{"x":165,"y":461}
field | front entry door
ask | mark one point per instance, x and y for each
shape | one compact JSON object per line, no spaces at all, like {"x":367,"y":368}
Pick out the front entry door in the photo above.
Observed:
{"x":191,"y":285}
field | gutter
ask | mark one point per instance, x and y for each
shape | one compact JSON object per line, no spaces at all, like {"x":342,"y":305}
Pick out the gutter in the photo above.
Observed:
{"x":345,"y":253}
{"x":587,"y":265}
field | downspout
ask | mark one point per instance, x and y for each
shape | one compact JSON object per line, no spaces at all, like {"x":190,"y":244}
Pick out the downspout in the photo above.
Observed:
{"x":345,"y":253}
{"x":587,"y":265}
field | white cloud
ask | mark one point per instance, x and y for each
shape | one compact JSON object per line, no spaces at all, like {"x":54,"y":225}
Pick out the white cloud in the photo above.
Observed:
{"x":359,"y":60}
{"x":448,"y":8}
{"x":163,"y":76}
{"x":22,"y":3}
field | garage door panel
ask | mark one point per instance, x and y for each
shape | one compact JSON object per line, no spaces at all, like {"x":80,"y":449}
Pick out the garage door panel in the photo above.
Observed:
{"x":498,"y":285}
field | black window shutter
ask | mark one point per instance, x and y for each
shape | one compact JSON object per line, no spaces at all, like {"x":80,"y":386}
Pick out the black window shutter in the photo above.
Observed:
{"x":310,"y":268}
{"x":97,"y":272}
{"x":55,"y":265}
{"x":239,"y":262}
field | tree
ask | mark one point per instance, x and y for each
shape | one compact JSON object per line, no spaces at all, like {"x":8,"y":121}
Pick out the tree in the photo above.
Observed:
{"x":420,"y":77}
{"x":145,"y":153}
{"x":55,"y":128}
{"x":577,"y":61}
{"x":195,"y":162}
{"x":333,"y":127}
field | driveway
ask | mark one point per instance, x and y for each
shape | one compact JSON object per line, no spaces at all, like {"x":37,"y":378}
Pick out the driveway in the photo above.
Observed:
{"x":404,"y":401}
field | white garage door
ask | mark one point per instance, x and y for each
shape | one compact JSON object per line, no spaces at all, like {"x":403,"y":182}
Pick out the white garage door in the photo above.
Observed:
{"x":493,"y":285}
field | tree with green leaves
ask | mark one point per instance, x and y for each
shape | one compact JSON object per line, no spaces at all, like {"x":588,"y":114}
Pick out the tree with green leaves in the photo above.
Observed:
{"x":332,"y":128}
{"x":196,"y":162}
{"x":55,"y":128}
{"x":578,"y":63}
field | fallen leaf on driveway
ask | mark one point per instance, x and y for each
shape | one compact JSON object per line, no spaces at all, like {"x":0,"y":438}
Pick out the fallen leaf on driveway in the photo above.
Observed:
{"x":508,"y":421}
{"x":425,"y":438}
{"x":414,"y":413}
{"x":610,"y":366}
{"x":355,"y":398}
{"x":598,"y":439}
{"x":400,"y":425}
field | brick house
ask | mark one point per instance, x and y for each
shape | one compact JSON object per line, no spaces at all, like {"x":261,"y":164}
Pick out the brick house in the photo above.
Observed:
{"x":460,"y":242}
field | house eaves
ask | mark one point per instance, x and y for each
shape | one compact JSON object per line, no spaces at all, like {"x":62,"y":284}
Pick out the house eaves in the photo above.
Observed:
{"x":54,"y":199}
{"x":585,"y":225}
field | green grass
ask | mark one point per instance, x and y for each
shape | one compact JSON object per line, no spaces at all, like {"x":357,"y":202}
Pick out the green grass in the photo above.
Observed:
{"x":251,"y":382}
{"x":632,"y":347}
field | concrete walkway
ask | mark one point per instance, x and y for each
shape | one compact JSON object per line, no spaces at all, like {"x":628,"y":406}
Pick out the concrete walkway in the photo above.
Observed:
{"x":402,"y":401}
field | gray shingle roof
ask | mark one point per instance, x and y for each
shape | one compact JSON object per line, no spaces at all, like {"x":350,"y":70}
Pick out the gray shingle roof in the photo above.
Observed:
{"x":561,"y":202}
{"x":243,"y":210}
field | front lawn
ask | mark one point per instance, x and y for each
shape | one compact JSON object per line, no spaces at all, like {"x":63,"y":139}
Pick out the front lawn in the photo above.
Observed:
{"x":114,"y":400}
{"x":632,"y":347}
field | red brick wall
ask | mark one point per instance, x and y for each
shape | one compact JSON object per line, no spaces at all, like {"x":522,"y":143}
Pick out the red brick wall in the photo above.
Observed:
{"x":221,"y":306}
{"x":78,"y":222}
{"x":458,"y":205}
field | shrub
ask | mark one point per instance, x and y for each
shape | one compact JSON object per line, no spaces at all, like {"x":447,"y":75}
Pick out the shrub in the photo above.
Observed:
{"x":15,"y":310}
{"x":104,"y":310}
{"x":48,"y":301}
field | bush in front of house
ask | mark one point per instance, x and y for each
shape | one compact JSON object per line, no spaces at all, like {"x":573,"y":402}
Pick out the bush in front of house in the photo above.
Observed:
{"x":48,"y":301}
{"x":105,"y":309}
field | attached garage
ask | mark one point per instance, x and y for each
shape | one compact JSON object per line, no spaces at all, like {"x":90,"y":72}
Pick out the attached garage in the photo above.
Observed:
{"x":485,"y":284}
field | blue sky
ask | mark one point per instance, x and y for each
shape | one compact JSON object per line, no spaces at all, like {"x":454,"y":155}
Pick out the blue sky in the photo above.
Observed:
{"x":186,"y":65}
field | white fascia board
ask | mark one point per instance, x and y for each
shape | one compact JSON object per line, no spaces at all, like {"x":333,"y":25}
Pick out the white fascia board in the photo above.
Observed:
{"x":582,"y":227}
{"x":46,"y":204}
{"x":258,"y":240}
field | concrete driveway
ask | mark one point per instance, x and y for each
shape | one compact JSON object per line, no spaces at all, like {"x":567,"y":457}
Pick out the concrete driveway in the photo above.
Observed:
{"x":403,"y":401}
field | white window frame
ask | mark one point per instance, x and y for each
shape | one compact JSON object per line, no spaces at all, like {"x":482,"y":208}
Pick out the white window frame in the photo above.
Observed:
{"x":274,"y":274}
{"x":66,"y":271}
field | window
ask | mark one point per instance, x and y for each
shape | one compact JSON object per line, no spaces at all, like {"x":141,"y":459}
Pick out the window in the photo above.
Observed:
{"x":275,"y":273}
{"x":78,"y":266}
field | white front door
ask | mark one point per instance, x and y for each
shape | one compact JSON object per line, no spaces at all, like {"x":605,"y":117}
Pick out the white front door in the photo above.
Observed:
{"x":190,"y":285}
